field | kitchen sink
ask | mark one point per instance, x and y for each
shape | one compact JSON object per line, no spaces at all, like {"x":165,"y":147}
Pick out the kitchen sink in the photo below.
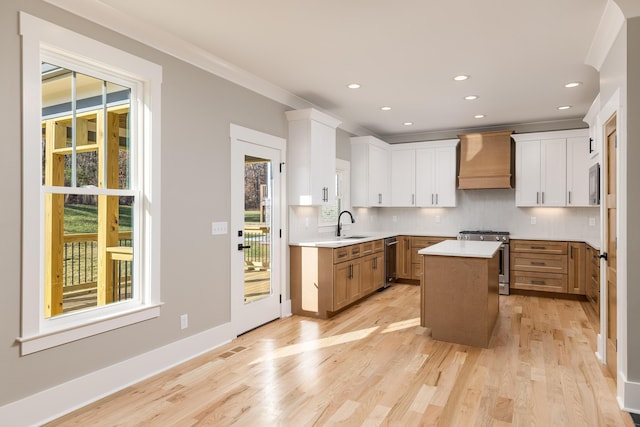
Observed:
{"x":351,"y":237}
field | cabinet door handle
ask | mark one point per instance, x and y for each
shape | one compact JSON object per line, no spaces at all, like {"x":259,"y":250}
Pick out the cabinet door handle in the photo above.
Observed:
{"x":538,"y":247}
{"x":542,"y":198}
{"x":537,"y":263}
{"x":436,"y":198}
{"x":569,"y":197}
{"x":350,"y":271}
{"x":537,"y":197}
{"x":571,"y":252}
{"x":375,"y":263}
{"x":431,"y":198}
{"x":537,"y":282}
{"x":413,"y":199}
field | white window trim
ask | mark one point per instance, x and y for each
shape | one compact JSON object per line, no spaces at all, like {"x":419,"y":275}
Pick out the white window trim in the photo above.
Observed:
{"x":343,"y":167}
{"x":37,"y":332}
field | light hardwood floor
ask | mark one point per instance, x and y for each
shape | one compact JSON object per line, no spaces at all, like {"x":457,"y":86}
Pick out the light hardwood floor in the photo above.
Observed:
{"x":373,"y":365}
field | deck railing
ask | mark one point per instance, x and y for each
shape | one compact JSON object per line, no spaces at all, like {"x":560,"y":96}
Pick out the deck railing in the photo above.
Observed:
{"x":81,"y":261}
{"x":258,"y":254}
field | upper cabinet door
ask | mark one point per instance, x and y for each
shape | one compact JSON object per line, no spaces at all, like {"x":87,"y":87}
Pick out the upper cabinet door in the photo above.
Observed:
{"x":445,"y":176}
{"x":578,"y":162}
{"x":528,"y":173}
{"x":379,"y":191}
{"x":553,"y":172}
{"x":425,"y":177}
{"x":403,"y":178}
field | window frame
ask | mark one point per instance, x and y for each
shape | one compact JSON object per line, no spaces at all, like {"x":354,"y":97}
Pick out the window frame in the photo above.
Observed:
{"x":42,"y":40}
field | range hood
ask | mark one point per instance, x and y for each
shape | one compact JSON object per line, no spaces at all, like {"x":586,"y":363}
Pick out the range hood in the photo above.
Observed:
{"x":486,"y":160}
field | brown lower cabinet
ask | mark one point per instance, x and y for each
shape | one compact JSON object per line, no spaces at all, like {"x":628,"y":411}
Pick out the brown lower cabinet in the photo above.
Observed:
{"x":408,"y":262}
{"x":592,"y":277}
{"x":326,"y":280}
{"x":548,"y":266}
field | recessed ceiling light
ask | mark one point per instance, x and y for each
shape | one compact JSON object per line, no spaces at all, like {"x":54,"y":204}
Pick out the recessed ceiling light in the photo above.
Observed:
{"x":479,"y":116}
{"x":573,"y":84}
{"x":460,"y":78}
{"x":407,"y":123}
{"x":385,"y":108}
{"x":353,"y":86}
{"x":564,"y":107}
{"x":471,"y":97}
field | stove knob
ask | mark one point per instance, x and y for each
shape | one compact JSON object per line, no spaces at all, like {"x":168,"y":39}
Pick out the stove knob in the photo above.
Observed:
{"x":504,"y":238}
{"x":481,"y":237}
{"x":498,"y":238}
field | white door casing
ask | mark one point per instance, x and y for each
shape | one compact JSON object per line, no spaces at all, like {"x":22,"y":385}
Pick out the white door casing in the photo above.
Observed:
{"x":244,"y":141}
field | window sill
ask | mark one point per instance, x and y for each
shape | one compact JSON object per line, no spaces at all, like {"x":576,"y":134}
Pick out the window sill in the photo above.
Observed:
{"x":49,"y":339}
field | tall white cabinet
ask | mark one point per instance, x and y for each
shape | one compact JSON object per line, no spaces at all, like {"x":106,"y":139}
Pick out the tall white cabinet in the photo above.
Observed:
{"x":552,"y":168}
{"x":311,"y":157}
{"x":370,"y":165}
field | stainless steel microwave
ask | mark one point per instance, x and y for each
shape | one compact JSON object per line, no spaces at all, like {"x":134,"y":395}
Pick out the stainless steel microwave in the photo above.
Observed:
{"x":594,"y":185}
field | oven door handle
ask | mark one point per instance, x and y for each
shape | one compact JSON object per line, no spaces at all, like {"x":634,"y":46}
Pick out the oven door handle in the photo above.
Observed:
{"x":392,"y":243}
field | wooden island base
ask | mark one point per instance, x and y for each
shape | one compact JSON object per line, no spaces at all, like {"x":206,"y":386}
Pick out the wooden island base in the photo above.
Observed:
{"x":459,"y":298}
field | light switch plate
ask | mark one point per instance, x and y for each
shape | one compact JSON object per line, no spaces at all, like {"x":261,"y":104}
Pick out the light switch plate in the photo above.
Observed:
{"x":218,"y":228}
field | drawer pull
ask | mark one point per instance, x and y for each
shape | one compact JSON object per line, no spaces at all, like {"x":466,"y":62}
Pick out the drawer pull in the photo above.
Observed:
{"x":538,"y":282}
{"x":342,"y":254}
{"x":538,"y":263}
{"x":538,"y":247}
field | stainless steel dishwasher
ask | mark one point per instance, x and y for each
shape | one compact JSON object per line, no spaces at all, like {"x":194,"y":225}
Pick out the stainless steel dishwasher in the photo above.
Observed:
{"x":389,"y":261}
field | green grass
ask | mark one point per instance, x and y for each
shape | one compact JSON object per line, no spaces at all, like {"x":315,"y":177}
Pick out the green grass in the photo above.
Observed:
{"x":84,"y":219}
{"x":251,"y":216}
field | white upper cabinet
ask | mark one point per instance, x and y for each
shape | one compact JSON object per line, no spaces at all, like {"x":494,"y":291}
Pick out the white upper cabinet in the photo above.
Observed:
{"x":423,"y":174}
{"x":550,"y":168}
{"x":578,"y":162}
{"x":403,"y":178}
{"x":311,"y":157}
{"x":370,"y":166}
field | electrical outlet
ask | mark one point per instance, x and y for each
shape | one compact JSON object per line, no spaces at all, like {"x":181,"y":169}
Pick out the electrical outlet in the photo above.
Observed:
{"x":184,"y":321}
{"x":394,"y":218}
{"x":437,"y":219}
{"x":592,"y":221}
{"x":533,"y":220}
{"x":218,"y":228}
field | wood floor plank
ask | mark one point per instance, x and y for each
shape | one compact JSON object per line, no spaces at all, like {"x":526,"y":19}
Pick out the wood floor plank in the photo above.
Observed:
{"x":373,"y":365}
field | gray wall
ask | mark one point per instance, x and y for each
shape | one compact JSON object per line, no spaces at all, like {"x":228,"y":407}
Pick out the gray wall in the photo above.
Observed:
{"x":633,"y":198}
{"x":621,"y":70}
{"x":197,"y":109}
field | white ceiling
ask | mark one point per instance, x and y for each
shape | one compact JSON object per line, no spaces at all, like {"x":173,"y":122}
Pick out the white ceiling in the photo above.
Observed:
{"x":405,"y":54}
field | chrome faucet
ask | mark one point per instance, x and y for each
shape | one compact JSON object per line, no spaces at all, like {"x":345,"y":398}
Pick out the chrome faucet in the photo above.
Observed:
{"x":340,"y":226}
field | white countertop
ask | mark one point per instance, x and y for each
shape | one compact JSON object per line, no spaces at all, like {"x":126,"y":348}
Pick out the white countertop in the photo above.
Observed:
{"x":462,"y":248}
{"x":337,"y":242}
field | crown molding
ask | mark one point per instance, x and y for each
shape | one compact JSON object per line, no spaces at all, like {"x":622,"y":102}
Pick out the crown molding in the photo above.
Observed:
{"x":115,"y":20}
{"x":609,"y":27}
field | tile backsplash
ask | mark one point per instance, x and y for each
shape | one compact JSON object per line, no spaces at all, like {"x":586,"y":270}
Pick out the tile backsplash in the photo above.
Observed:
{"x":476,"y":210}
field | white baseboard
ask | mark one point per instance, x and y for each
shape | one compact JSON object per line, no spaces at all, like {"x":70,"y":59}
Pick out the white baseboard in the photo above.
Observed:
{"x":286,"y":308}
{"x":64,"y":398}
{"x":631,"y":397}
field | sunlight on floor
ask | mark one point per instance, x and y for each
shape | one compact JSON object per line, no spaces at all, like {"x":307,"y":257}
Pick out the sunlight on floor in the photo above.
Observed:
{"x":316,"y":344}
{"x":409,"y":323}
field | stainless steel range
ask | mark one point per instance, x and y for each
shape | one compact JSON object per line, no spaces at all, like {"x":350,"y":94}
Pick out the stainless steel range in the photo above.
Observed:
{"x":498,"y":236}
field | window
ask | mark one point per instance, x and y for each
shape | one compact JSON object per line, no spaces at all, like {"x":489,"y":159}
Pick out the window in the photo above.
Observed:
{"x":90,"y":187}
{"x":328,"y":214}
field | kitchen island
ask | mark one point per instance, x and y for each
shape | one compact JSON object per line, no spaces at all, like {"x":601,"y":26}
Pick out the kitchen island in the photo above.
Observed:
{"x":459,"y":291}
